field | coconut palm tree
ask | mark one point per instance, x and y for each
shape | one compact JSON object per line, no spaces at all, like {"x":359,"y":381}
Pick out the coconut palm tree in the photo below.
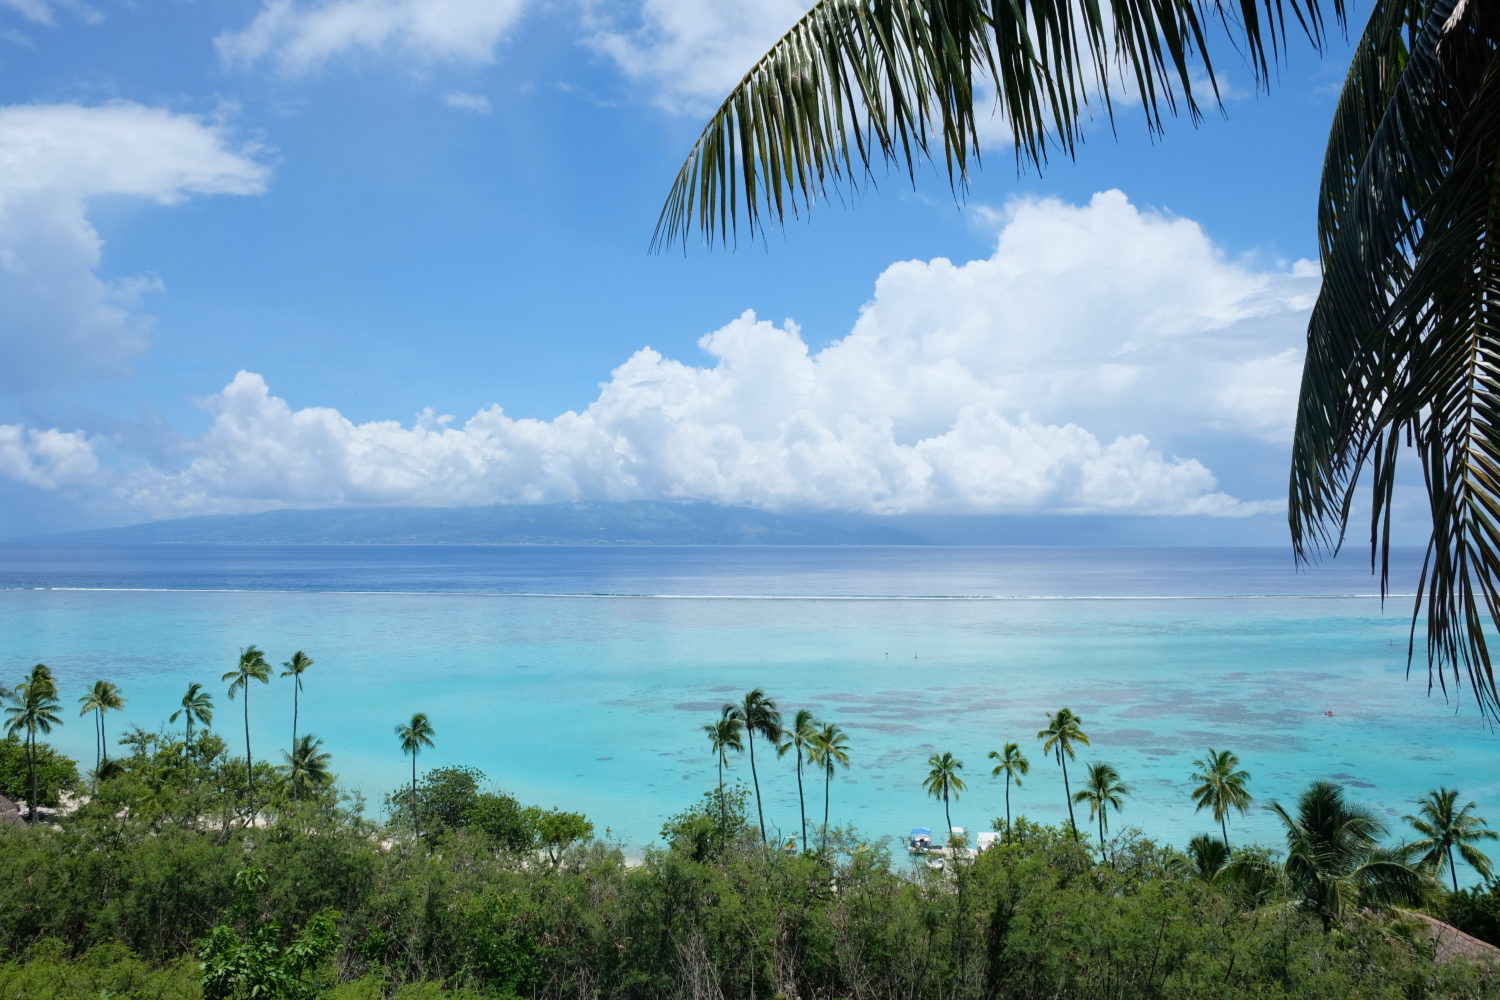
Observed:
{"x":1102,"y":790}
{"x":295,"y":668}
{"x":943,"y":782}
{"x":1399,"y":339}
{"x":415,"y":735}
{"x":1334,"y":861}
{"x":1013,"y":764}
{"x":1063,"y":730}
{"x":1207,"y":858}
{"x":104,"y":696}
{"x":829,"y":749}
{"x":799,"y":738}
{"x":757,"y":714}
{"x":306,"y":767}
{"x":724,"y":736}
{"x":1221,"y":786}
{"x":1443,"y":829}
{"x":252,"y":667}
{"x":42,"y":680}
{"x":197,"y":705}
{"x":34,"y":710}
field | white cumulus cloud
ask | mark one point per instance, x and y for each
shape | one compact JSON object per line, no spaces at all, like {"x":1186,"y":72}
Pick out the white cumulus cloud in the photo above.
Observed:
{"x":1058,"y":374}
{"x":48,"y":459}
{"x":61,"y":320}
{"x":302,"y":36}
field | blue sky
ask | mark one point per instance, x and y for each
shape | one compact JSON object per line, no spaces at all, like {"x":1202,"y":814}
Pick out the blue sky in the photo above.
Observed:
{"x":358,"y":252}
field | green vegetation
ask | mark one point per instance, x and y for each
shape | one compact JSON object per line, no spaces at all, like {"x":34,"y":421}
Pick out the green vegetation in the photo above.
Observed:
{"x":161,"y":884}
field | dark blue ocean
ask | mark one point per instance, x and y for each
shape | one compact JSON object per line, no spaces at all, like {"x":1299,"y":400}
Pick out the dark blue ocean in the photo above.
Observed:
{"x":582,"y":677}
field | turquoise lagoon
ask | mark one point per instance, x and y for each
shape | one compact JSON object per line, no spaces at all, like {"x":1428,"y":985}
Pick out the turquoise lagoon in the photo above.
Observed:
{"x":581,"y":677}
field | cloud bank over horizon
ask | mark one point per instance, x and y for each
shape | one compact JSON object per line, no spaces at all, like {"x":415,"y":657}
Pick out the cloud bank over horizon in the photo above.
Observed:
{"x":1039,"y":379}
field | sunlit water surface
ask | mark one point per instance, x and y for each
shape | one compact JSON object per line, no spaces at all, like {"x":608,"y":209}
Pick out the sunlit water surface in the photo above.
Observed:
{"x":582,"y":677}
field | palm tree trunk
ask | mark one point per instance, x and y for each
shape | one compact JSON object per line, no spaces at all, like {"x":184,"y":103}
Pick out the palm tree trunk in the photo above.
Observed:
{"x":827,"y":779}
{"x":1007,"y":806}
{"x":1452,"y":869}
{"x":296,"y":691}
{"x":98,"y":738}
{"x":1224,"y":829}
{"x":416,"y":828}
{"x":759,"y":812}
{"x":723,"y":806}
{"x":31,"y":771}
{"x":249,"y":772}
{"x":1101,"y":831}
{"x":801,"y":802}
{"x":947,"y":816}
{"x":1068,"y":794}
{"x":103,"y":739}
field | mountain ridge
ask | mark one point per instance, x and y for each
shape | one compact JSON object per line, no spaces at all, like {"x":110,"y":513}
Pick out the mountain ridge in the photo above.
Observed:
{"x":632,"y":522}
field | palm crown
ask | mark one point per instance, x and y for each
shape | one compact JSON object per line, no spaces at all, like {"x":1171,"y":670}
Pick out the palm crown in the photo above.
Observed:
{"x":1334,"y":860}
{"x":1221,"y":786}
{"x":1401,"y":339}
{"x":1102,"y":790}
{"x":197,"y":706}
{"x":1444,"y":828}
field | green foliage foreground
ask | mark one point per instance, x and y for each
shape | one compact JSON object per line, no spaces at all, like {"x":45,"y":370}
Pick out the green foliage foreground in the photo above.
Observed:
{"x":155,"y":890}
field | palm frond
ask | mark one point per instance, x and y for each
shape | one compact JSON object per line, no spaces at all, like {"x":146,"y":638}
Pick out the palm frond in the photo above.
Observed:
{"x":855,"y":82}
{"x":1404,"y":341}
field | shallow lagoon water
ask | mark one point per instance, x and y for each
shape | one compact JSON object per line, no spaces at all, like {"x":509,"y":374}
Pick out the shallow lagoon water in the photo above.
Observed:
{"x":593,"y":698}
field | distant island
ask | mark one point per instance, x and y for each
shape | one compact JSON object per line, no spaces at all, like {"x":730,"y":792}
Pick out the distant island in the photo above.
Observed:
{"x":641,"y":522}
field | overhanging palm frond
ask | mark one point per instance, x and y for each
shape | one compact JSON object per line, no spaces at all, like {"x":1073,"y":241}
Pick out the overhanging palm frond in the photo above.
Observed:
{"x":859,"y":81}
{"x":1404,"y":341}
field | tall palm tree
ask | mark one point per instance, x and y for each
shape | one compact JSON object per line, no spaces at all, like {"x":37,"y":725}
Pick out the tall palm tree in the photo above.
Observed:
{"x":33,"y":710}
{"x":103,"y":697}
{"x":799,"y":738}
{"x":1334,"y":860}
{"x":1013,"y":764}
{"x":757,"y":714}
{"x":295,"y":668}
{"x":1442,"y":829}
{"x":415,"y":735}
{"x":306,"y":767}
{"x":1221,"y":786}
{"x":724,"y":736}
{"x":197,"y":705}
{"x":1102,"y":790}
{"x":252,"y":667}
{"x":1399,"y":342}
{"x":829,"y":749}
{"x":943,"y":782}
{"x":1063,"y":730}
